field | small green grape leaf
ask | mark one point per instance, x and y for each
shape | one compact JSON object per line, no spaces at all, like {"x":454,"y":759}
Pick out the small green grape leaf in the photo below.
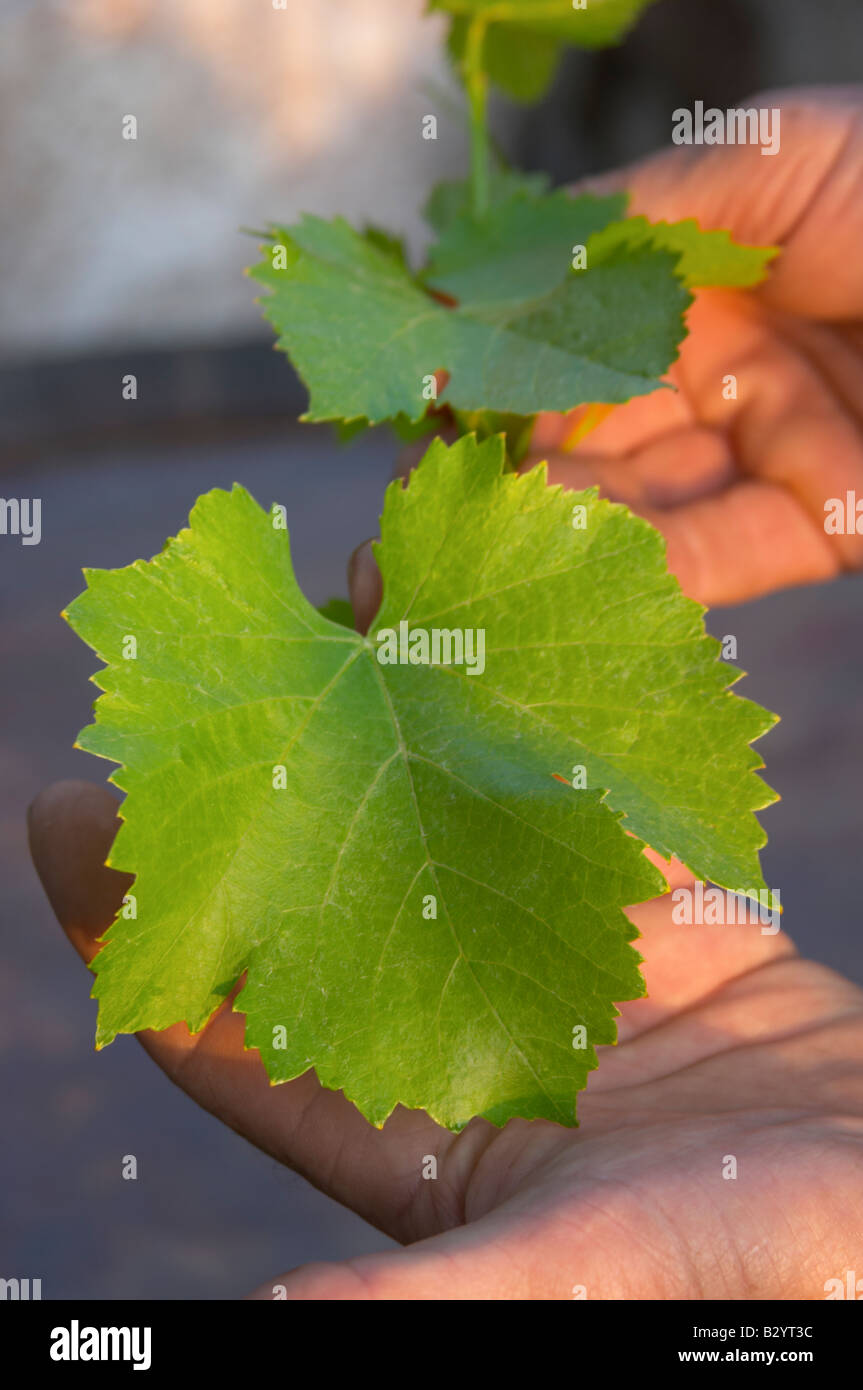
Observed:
{"x":452,"y":198}
{"x":524,"y":245}
{"x":521,"y":249}
{"x":524,"y":38}
{"x":390,"y":245}
{"x":594,"y":24}
{"x":705,"y":258}
{"x":406,"y":431}
{"x":339,"y":303}
{"x":348,"y":430}
{"x":516,"y":430}
{"x":423,"y":913}
{"x":521,"y":63}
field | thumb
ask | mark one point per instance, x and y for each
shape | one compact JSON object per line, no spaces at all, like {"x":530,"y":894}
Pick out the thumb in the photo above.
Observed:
{"x":465,"y":1264}
{"x":365,"y":585}
{"x":71,"y":827}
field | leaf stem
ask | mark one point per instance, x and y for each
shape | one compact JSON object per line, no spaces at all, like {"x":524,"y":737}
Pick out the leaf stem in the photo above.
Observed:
{"x":476,"y":85}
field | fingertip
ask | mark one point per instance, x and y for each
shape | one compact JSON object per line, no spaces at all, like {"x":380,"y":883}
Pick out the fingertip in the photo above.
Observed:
{"x":365,"y":585}
{"x":71,"y":826}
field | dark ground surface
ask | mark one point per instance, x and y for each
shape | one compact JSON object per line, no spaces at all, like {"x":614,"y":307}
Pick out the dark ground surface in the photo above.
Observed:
{"x":209,"y":1217}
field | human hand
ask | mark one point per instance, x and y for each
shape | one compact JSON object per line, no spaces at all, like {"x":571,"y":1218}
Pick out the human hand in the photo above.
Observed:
{"x":741,"y":1049}
{"x":738,"y":487}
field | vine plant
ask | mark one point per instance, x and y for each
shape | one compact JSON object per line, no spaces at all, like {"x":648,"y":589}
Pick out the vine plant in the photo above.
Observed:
{"x":414,"y":848}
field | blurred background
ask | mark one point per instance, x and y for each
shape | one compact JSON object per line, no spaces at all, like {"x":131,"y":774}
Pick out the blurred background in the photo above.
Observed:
{"x":123,"y":256}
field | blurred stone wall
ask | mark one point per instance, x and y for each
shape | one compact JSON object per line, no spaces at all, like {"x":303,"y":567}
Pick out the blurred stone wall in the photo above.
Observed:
{"x":245,"y":114}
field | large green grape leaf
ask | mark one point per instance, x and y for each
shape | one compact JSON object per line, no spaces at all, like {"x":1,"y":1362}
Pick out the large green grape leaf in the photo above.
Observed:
{"x":339,"y":303}
{"x":424,"y":912}
{"x":524,"y":38}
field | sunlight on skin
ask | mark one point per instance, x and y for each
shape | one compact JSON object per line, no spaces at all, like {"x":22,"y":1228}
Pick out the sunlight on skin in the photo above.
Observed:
{"x":738,"y":486}
{"x":741,"y":1048}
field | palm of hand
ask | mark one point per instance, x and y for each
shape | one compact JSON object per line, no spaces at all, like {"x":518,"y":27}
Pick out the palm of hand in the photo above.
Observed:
{"x":744,"y":1054}
{"x":741,"y":1050}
